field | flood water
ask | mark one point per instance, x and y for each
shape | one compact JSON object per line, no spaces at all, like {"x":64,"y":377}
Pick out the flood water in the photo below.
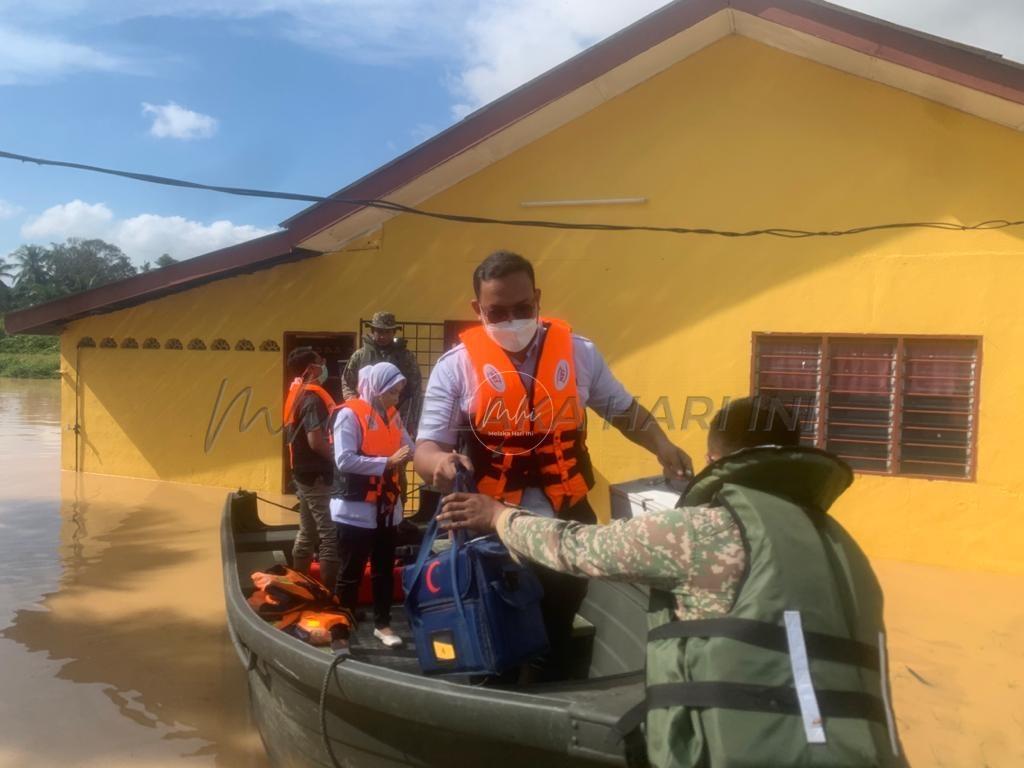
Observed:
{"x":113,"y":648}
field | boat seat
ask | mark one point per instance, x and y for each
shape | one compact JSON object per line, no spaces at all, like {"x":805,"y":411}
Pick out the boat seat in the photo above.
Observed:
{"x":581,"y":628}
{"x":262,"y":541}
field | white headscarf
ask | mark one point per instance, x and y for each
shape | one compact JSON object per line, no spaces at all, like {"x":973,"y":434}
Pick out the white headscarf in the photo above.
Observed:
{"x":375,"y":380}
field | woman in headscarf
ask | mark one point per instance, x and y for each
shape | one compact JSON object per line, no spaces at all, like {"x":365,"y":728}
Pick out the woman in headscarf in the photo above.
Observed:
{"x":371,"y":448}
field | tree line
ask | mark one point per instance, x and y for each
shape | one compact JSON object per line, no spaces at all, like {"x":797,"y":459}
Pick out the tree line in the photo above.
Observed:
{"x":32,"y":274}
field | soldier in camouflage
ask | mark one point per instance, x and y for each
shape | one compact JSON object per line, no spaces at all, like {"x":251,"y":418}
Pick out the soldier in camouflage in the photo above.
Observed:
{"x":777,"y":574}
{"x":695,"y":553}
{"x":381,"y":346}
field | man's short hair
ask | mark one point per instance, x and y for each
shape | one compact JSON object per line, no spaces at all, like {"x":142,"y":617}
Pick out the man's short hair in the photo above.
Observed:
{"x":501,"y":264}
{"x":752,"y":421}
{"x":301,"y":358}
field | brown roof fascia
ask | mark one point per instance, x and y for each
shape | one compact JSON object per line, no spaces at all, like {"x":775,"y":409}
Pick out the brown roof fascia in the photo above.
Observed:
{"x":506,"y":110}
{"x":971,"y":67}
{"x":249,"y":256}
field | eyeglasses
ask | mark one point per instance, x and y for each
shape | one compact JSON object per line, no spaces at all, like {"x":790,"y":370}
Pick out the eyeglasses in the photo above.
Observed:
{"x":524,"y":310}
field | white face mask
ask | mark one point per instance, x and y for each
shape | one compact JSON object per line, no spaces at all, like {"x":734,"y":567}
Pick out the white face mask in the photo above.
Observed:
{"x":322,"y":376}
{"x":512,"y":335}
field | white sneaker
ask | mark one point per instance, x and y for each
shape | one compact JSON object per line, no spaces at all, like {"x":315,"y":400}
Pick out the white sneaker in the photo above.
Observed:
{"x":389,"y":638}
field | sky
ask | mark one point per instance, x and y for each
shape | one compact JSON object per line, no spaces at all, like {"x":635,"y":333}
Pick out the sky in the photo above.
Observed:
{"x":292,"y":95}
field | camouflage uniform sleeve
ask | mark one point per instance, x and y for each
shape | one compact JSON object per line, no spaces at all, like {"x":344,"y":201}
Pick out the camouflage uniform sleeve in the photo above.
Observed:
{"x":667,"y":550}
{"x":350,"y":376}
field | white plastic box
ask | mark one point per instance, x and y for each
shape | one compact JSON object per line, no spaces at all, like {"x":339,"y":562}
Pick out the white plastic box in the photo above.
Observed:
{"x":636,"y":498}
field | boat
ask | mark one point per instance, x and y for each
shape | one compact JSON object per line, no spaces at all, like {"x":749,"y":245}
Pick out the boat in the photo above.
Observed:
{"x":375,"y":709}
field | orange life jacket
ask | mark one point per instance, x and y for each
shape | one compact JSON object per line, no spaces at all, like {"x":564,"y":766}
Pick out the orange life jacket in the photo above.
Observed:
{"x":291,"y":408}
{"x":531,"y":435}
{"x":316,"y":627}
{"x":380,"y":437}
{"x":298,"y":605}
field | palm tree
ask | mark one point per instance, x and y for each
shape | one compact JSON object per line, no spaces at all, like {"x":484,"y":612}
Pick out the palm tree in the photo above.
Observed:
{"x":6,"y":270}
{"x":32,"y":265}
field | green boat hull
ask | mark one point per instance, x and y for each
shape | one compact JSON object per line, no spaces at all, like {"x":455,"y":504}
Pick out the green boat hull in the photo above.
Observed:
{"x":378,"y":716}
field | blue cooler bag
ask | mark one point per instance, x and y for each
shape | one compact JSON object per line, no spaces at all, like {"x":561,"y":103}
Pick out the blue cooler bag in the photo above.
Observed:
{"x":472,"y":608}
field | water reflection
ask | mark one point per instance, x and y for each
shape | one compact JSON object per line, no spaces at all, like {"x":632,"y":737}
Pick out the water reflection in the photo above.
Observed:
{"x":113,"y":649}
{"x":112,"y":636}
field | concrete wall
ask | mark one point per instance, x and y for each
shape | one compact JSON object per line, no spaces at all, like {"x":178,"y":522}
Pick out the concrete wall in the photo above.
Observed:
{"x":738,"y":136}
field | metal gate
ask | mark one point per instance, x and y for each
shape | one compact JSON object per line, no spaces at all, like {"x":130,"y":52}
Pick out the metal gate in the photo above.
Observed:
{"x":427,"y":341}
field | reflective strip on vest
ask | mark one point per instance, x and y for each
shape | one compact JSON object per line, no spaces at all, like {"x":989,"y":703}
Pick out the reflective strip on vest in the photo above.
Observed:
{"x":533,"y":430}
{"x":805,"y":697}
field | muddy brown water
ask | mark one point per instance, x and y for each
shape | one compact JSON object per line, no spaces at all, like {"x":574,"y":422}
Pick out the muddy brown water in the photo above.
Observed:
{"x":113,"y":650}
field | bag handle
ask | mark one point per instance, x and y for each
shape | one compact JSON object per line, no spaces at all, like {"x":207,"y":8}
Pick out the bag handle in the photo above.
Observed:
{"x":463,"y":483}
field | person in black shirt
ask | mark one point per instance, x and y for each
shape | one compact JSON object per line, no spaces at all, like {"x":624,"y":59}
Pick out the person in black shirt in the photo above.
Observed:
{"x":307,"y":409}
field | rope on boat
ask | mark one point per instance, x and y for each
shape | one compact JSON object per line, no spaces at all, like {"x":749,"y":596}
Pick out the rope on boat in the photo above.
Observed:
{"x":275,"y":504}
{"x":323,"y":708}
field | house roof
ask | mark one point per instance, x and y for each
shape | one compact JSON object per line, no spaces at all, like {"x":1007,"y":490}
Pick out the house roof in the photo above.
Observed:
{"x":970,"y":79}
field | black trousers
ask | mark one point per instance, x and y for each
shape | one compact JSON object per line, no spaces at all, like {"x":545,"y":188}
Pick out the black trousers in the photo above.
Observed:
{"x":355,"y":546}
{"x":563,"y":595}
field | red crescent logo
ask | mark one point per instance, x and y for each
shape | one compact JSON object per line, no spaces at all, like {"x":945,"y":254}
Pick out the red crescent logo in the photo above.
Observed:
{"x":430,"y":581}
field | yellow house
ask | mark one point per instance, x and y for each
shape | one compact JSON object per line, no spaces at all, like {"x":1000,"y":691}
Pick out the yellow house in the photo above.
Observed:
{"x":734,"y":116}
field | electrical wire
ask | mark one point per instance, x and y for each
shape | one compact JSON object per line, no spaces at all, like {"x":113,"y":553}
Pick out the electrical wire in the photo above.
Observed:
{"x":389,"y":205}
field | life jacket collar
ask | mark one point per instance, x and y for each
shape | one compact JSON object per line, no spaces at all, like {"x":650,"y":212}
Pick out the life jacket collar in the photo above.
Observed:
{"x":810,"y":477}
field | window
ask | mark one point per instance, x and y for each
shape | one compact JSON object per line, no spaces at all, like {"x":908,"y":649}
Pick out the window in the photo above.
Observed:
{"x":896,"y":405}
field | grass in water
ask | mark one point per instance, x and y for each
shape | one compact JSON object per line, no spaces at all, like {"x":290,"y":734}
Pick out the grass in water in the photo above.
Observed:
{"x":30,"y":366}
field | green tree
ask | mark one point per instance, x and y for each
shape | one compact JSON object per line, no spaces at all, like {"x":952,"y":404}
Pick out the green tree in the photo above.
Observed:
{"x":165,"y":260}
{"x":33,"y":284}
{"x":6,"y":270}
{"x":60,"y":269}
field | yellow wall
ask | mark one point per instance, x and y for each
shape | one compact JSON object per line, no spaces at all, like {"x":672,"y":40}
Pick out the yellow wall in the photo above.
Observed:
{"x":738,"y":136}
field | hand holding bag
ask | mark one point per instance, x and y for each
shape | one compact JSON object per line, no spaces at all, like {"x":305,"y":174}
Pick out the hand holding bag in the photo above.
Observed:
{"x":472,"y":608}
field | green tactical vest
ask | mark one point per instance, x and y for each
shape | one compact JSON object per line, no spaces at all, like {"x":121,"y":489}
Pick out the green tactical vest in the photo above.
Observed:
{"x":795,"y":674}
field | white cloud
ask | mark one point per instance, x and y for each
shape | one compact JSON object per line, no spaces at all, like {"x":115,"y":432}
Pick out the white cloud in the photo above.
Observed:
{"x":74,"y":219}
{"x":31,"y":57}
{"x":173,"y":121}
{"x":508,"y":42}
{"x":143,"y":237}
{"x":505,"y":43}
{"x":490,"y":46}
{"x":366,"y":30}
{"x":8,"y":210}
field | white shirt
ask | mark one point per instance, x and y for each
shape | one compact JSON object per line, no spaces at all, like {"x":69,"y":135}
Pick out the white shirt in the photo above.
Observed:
{"x":348,"y":439}
{"x":448,"y":401}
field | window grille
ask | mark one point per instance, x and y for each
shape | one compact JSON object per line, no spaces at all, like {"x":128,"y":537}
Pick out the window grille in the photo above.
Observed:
{"x":896,"y":405}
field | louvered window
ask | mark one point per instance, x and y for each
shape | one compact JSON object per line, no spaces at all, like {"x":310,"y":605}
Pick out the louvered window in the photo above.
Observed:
{"x":890,"y":405}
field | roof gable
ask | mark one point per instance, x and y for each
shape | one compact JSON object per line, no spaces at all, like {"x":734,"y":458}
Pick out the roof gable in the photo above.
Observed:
{"x":969,"y":79}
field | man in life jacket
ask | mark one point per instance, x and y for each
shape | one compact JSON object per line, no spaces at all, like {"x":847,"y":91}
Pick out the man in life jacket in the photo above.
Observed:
{"x":306,"y":411}
{"x":513,"y":396}
{"x":766,"y":643}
